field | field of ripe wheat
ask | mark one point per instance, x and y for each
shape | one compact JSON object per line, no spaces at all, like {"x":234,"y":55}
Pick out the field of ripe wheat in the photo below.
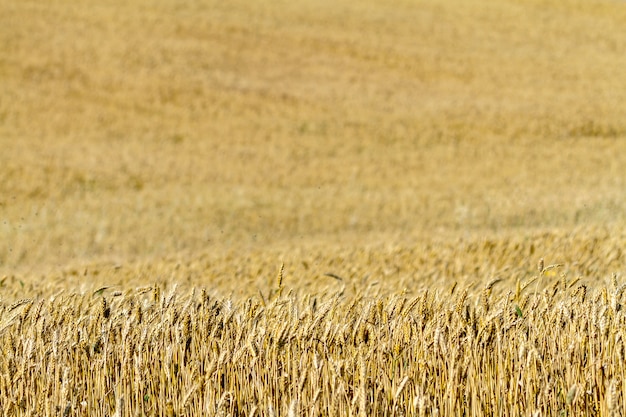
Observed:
{"x":312,"y":208}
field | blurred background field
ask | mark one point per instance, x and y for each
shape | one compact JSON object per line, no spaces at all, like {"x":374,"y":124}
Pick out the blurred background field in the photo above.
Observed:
{"x":206,"y":141}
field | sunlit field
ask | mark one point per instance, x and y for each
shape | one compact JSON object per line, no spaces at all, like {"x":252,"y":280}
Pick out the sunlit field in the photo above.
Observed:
{"x":312,"y":208}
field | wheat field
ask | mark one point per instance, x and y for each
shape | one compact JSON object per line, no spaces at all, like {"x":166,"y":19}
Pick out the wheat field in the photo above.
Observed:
{"x":312,"y":208}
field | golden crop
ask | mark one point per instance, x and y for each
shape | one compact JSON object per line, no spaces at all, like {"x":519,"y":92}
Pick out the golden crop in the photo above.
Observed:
{"x":312,"y":207}
{"x":549,"y":349}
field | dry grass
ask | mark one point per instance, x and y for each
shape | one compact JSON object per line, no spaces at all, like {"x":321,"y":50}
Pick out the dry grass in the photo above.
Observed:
{"x":407,"y":162}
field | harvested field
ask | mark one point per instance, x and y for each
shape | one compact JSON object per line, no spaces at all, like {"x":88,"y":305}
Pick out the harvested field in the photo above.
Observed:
{"x":312,"y":208}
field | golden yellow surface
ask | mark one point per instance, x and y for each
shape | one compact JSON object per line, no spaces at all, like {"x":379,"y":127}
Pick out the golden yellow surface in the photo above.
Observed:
{"x":374,"y":148}
{"x":148,"y":129}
